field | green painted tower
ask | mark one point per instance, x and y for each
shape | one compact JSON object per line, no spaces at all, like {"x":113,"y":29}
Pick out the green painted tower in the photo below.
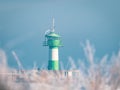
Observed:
{"x":52,"y":40}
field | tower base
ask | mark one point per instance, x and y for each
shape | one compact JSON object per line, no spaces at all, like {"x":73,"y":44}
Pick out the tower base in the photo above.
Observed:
{"x":53,"y":65}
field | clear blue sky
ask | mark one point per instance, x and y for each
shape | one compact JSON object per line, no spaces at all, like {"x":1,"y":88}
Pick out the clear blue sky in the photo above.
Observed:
{"x":23,"y":23}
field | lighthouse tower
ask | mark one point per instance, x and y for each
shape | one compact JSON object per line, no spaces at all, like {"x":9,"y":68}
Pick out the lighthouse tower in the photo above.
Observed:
{"x":52,"y":40}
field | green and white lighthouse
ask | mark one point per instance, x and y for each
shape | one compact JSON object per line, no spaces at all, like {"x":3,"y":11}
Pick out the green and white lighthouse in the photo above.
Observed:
{"x":52,"y":40}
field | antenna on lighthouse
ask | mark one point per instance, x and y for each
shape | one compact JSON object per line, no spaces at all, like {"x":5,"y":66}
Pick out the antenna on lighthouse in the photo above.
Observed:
{"x":53,"y":25}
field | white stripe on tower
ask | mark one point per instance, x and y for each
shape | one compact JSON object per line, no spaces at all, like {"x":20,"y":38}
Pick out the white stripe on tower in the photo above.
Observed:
{"x":53,"y":54}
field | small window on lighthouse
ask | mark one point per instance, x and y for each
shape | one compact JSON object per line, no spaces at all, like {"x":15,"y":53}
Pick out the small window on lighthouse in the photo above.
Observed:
{"x":56,"y":38}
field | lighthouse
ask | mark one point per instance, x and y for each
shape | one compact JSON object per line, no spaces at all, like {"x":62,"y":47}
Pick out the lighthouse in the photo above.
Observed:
{"x":52,"y":40}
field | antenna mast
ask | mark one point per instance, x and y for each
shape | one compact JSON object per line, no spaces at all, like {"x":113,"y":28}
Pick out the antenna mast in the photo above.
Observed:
{"x":53,"y":26}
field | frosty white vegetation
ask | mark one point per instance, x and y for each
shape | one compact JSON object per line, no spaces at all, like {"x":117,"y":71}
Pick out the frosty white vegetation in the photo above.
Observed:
{"x":104,"y":75}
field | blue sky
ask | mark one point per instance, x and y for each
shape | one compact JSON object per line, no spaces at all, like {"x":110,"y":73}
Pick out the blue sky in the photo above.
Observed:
{"x":24,"y":22}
